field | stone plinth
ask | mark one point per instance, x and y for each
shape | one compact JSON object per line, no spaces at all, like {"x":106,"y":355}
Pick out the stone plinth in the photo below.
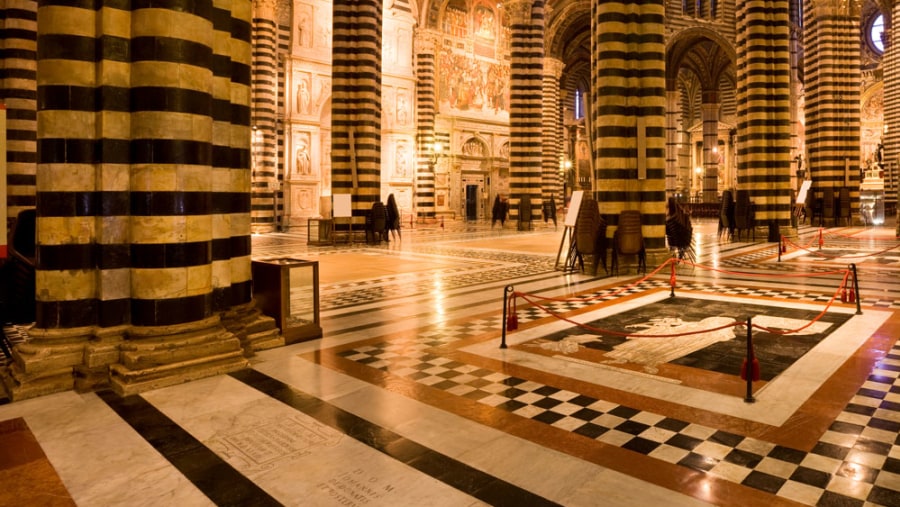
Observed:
{"x":168,"y":355}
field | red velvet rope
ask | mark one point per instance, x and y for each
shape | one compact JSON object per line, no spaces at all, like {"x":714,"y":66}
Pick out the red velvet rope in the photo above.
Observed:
{"x":534,"y":299}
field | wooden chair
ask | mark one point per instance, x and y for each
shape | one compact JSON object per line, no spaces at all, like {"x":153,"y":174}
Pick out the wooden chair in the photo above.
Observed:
{"x":726,"y":216}
{"x":744,"y":215}
{"x":590,"y":235}
{"x":843,"y":207}
{"x":629,"y":240}
{"x":828,"y":205}
{"x":376,"y":224}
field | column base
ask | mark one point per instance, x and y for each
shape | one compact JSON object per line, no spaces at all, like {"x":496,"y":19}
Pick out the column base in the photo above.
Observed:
{"x":168,"y":355}
{"x":255,"y":330}
{"x":45,"y":364}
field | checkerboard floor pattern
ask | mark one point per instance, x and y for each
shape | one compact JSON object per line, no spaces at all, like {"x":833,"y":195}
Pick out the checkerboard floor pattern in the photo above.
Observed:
{"x":861,"y":447}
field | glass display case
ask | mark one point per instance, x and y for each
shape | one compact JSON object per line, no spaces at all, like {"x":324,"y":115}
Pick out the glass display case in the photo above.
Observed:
{"x":871,"y":206}
{"x":287,"y":290}
{"x":319,"y":231}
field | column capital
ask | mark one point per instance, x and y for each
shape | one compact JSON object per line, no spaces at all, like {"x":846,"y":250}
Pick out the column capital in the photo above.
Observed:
{"x":553,"y":67}
{"x":426,"y":40}
{"x":264,"y":7}
{"x":519,"y":11}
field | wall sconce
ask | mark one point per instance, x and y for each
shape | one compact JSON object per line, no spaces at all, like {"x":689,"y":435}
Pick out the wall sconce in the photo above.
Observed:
{"x":436,"y":153}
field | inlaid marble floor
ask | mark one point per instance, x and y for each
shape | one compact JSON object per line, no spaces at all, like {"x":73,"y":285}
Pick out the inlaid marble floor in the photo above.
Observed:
{"x":409,"y":400}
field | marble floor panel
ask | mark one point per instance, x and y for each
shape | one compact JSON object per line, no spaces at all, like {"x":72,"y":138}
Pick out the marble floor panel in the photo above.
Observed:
{"x":408,"y":399}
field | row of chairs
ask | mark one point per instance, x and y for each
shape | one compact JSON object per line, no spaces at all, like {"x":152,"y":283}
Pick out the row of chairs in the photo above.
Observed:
{"x":737,"y":215}
{"x":590,"y":239}
{"x":833,"y":207}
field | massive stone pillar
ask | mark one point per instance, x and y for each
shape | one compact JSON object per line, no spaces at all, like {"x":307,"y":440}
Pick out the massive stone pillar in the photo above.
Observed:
{"x":763,"y":107}
{"x":628,"y":114}
{"x":709,"y":111}
{"x":426,"y":109}
{"x":264,"y":102}
{"x":891,"y":64}
{"x":143,"y":197}
{"x":18,"y":90}
{"x":356,"y":102}
{"x":552,"y":133}
{"x":525,"y":105}
{"x":672,"y":136}
{"x":832,"y":83}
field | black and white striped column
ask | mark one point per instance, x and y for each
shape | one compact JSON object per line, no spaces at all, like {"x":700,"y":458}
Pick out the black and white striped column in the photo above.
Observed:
{"x":763,"y":107}
{"x":552,"y":131}
{"x":628,"y":113}
{"x":426,"y":109}
{"x":264,"y":101}
{"x":356,"y":102}
{"x":832,"y":78}
{"x":709,"y":111}
{"x":18,"y":90}
{"x":525,"y":105}
{"x":142,"y":194}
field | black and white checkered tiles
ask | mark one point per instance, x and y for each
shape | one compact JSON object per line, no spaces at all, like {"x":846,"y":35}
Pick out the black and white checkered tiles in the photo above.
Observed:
{"x":856,"y":462}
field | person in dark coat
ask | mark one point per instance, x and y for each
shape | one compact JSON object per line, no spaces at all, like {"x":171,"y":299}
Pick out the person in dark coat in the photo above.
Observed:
{"x":499,"y":211}
{"x":393,"y":216}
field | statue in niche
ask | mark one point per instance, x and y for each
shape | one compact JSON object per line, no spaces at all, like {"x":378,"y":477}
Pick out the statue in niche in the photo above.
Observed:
{"x":303,"y":96}
{"x":303,"y":39}
{"x":303,"y":166}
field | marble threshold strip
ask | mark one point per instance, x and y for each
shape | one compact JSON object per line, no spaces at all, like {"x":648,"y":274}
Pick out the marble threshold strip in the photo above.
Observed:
{"x":224,"y":485}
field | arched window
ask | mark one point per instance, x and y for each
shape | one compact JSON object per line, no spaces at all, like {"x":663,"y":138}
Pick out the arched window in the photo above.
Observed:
{"x":875,"y":32}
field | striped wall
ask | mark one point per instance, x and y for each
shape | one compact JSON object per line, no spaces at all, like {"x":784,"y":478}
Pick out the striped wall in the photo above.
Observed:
{"x":552,"y":131}
{"x":18,"y":90}
{"x":264,"y":97}
{"x":525,"y":105}
{"x":763,"y":98}
{"x":629,"y":106}
{"x":832,"y":88}
{"x":356,"y":102}
{"x":426,"y":109}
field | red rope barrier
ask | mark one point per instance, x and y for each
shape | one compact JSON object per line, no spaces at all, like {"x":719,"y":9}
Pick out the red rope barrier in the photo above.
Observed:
{"x":535,"y":299}
{"x":854,"y":256}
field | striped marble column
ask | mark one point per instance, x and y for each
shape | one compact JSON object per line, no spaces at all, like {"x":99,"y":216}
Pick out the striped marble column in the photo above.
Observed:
{"x":709,"y":111}
{"x":426,"y":109}
{"x":628,"y":113}
{"x":18,"y":90}
{"x":142,"y":194}
{"x":831,"y":82}
{"x":552,"y":139}
{"x":356,"y":102}
{"x":525,"y":105}
{"x":891,"y":65}
{"x":763,"y":107}
{"x":264,"y":96}
{"x":672,"y":135}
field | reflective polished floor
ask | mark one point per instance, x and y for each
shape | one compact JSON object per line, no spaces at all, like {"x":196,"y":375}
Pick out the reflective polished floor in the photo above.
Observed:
{"x":611,"y":390}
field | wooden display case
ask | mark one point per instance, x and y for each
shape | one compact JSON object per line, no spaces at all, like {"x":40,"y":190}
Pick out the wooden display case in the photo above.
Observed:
{"x":287,"y":290}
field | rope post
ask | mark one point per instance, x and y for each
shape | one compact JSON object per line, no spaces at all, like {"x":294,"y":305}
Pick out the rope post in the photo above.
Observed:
{"x":506,"y":293}
{"x":856,"y":289}
{"x":821,"y":239}
{"x":672,"y":278}
{"x":780,"y":248}
{"x":749,"y":364}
